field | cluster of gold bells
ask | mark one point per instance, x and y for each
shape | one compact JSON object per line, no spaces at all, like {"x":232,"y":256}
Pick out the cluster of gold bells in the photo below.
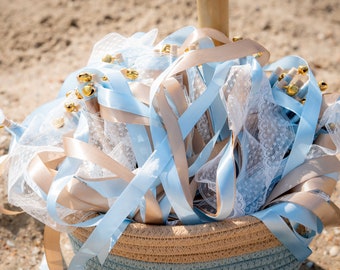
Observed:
{"x":88,"y":81}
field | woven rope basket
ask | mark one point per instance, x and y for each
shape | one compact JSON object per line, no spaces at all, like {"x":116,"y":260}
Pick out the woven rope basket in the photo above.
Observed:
{"x":239,"y":243}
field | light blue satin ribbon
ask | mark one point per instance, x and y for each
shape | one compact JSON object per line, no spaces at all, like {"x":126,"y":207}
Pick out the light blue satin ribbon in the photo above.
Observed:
{"x":305,"y":134}
{"x":187,"y":120}
{"x":309,"y":116}
{"x":123,"y":206}
{"x":16,"y":132}
{"x":108,"y":188}
{"x":287,"y":102}
{"x":140,"y":143}
{"x":66,"y":171}
{"x":290,"y":238}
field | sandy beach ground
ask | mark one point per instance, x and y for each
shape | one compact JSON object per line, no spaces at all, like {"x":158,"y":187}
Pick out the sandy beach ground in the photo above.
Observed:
{"x":41,"y":42}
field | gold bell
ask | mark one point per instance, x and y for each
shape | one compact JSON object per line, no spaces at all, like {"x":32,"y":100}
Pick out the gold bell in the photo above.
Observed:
{"x":169,"y":49}
{"x":166,"y":48}
{"x":75,"y":92}
{"x":71,"y":107}
{"x":191,"y":47}
{"x":291,"y":90}
{"x":78,"y":95}
{"x":113,"y":58}
{"x":237,"y":38}
{"x":302,"y":70}
{"x":58,"y":122}
{"x":282,"y":75}
{"x":332,"y":126}
{"x":69,"y":93}
{"x":88,"y":90}
{"x":323,"y":85}
{"x":129,"y":73}
{"x":84,"y":77}
{"x":257,"y":55}
{"x":303,"y":101}
{"x":108,"y":58}
{"x":105,"y":79}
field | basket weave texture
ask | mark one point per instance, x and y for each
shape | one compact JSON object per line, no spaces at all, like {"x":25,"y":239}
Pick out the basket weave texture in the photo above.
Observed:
{"x":239,"y":243}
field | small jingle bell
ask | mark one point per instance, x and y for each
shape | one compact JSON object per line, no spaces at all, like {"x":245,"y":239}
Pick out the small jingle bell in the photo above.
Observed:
{"x":166,"y":48}
{"x":257,"y":55}
{"x":169,"y":49}
{"x":84,"y":77}
{"x":105,"y":79}
{"x":108,"y":58}
{"x":71,"y":107}
{"x":77,"y":93}
{"x":58,"y":122}
{"x":332,"y":126}
{"x":302,"y":70}
{"x":118,"y":58}
{"x":323,"y":85}
{"x":282,"y":75}
{"x":69,"y":93}
{"x":89,"y":90}
{"x":131,"y":74}
{"x":291,"y":90}
{"x":192,"y":47}
{"x":237,"y":38}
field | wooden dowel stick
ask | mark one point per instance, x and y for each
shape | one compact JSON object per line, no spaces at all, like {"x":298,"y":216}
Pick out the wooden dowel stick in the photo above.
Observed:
{"x":214,"y":14}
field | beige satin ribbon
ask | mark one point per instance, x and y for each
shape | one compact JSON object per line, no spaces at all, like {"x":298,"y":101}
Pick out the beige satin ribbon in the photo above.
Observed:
{"x":308,"y":186}
{"x":327,"y":212}
{"x":201,"y":33}
{"x":77,"y":195}
{"x":308,"y":170}
{"x":230,"y":51}
{"x":176,"y":142}
{"x":7,"y":212}
{"x":84,"y":151}
{"x":327,"y":100}
{"x":92,"y":105}
{"x":175,"y":91}
{"x":324,"y":140}
{"x":52,"y":249}
{"x":141,"y":91}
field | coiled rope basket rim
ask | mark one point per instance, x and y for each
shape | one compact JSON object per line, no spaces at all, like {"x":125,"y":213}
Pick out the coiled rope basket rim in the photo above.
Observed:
{"x":237,"y":243}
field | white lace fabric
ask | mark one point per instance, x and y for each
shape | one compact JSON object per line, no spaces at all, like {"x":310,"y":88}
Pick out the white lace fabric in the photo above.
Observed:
{"x":264,"y":135}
